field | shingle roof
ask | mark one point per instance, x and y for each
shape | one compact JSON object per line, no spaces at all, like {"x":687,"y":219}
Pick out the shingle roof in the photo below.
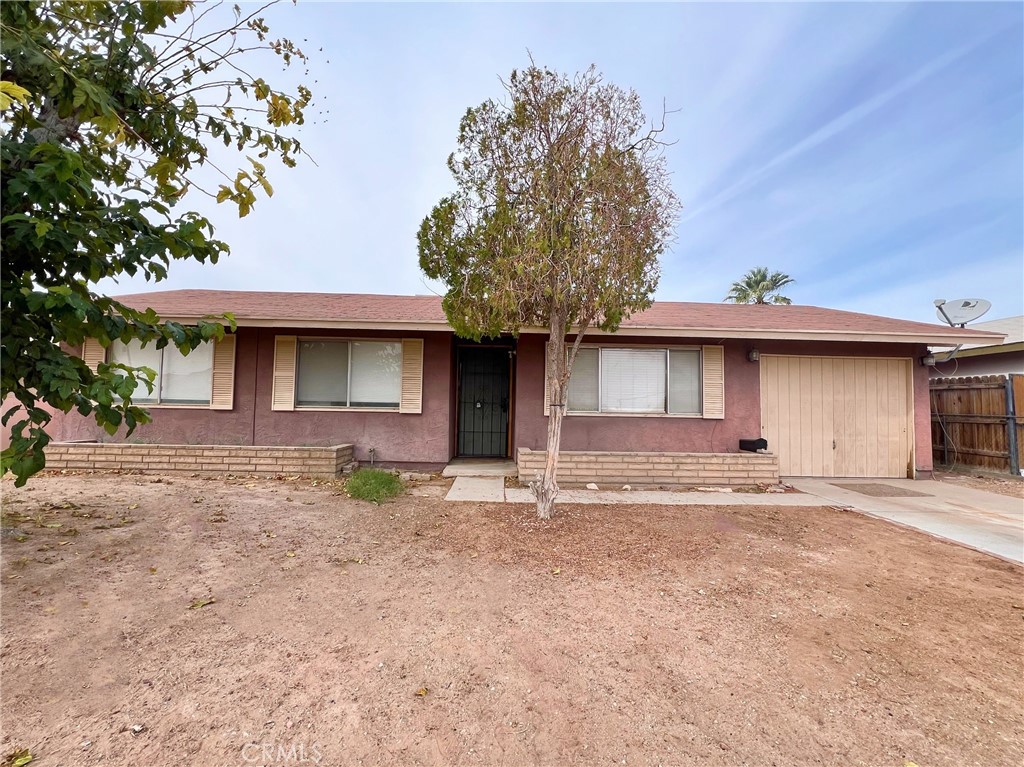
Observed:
{"x":301,"y":307}
{"x":723,"y":320}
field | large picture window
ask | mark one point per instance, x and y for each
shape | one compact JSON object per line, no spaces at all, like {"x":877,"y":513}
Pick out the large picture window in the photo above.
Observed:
{"x":354,"y":374}
{"x":638,"y":380}
{"x":180,"y":379}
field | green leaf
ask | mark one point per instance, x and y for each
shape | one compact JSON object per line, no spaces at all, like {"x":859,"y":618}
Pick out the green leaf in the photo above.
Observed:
{"x":10,"y":92}
{"x":109,"y":202}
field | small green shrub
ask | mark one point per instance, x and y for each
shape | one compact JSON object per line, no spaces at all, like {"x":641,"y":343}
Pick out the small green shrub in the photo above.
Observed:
{"x":373,"y":485}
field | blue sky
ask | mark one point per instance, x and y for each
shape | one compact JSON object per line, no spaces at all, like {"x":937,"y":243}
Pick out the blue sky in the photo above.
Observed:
{"x":872,"y":151}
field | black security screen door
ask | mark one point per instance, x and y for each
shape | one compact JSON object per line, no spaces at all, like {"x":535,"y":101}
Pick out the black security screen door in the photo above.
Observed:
{"x":483,"y":401}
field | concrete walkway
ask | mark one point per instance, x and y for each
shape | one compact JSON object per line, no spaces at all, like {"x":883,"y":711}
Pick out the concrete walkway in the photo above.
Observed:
{"x":984,"y":521}
{"x":492,"y":489}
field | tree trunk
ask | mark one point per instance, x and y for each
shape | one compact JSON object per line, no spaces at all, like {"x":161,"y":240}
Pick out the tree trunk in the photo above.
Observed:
{"x":546,"y":486}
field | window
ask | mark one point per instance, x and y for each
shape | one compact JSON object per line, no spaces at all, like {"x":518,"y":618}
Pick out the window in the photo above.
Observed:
{"x":639,"y":380}
{"x":180,"y":379}
{"x":356,"y":374}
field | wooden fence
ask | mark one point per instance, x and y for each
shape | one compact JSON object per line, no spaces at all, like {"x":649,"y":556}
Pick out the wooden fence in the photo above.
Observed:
{"x":975,"y":422}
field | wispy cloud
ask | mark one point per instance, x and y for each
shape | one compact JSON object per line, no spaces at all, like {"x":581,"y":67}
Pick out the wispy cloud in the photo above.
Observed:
{"x":873,"y":151}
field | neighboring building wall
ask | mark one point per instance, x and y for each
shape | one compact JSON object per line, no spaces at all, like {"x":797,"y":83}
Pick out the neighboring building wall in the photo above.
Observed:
{"x":981,"y":365}
{"x":412,"y":439}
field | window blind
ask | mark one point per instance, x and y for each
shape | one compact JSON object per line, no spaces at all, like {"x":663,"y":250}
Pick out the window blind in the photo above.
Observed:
{"x":187,"y":379}
{"x":633,"y":380}
{"x":376,"y":374}
{"x":134,"y":355}
{"x":322,"y":378}
{"x":684,"y":381}
{"x":584,"y":385}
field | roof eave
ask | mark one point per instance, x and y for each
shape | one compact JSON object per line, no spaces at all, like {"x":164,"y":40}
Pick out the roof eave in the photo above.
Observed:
{"x":932,"y":339}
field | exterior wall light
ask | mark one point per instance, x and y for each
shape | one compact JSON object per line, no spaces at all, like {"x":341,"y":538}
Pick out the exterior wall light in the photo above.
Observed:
{"x":928,"y":361}
{"x":753,"y":355}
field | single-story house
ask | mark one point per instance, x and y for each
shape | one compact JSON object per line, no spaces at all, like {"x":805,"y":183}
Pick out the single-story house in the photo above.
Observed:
{"x":985,"y":358}
{"x":666,"y":399}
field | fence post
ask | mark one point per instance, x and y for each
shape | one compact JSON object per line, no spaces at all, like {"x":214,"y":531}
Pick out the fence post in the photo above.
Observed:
{"x":1011,"y":426}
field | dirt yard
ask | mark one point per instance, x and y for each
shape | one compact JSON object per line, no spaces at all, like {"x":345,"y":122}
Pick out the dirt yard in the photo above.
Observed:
{"x":420,"y":632}
{"x":993,"y":483}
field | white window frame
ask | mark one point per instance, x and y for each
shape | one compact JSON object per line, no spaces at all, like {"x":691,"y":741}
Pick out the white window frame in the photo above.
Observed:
{"x":158,"y":386}
{"x":299,"y":340}
{"x":668,"y":383}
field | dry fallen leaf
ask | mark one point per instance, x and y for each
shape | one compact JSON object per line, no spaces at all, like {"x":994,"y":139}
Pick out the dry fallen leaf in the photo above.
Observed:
{"x":422,"y":692}
{"x":133,"y":505}
{"x":201,"y":603}
{"x":556,"y":571}
{"x":152,"y":571}
{"x":289,"y":553}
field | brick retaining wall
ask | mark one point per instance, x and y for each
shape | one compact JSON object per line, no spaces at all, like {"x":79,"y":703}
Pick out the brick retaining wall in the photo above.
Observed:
{"x":324,"y":462}
{"x":581,"y":467}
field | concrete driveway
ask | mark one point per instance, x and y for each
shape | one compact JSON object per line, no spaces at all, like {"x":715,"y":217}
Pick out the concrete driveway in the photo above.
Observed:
{"x":985,"y":521}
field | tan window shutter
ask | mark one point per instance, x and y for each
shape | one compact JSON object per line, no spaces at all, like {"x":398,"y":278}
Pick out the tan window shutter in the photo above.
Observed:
{"x":714,"y":381}
{"x":282,"y":396}
{"x":412,"y":376}
{"x":223,"y":395}
{"x":547,"y":386}
{"x":93,"y":353}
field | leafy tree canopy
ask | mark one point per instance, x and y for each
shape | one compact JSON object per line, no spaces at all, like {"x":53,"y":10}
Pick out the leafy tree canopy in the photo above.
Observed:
{"x":563,"y":205}
{"x":759,"y":286}
{"x":109,"y":111}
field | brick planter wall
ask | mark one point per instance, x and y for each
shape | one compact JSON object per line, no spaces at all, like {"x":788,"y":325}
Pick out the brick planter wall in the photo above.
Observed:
{"x":581,"y":467}
{"x":325,"y":462}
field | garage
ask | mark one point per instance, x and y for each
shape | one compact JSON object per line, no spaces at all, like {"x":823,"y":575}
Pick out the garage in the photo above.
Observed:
{"x":838,"y":416}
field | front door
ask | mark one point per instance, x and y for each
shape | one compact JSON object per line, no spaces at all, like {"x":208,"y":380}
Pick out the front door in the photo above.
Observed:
{"x":483,"y":407}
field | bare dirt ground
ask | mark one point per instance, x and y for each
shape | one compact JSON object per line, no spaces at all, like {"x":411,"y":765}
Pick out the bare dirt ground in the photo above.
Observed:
{"x":422,"y":632}
{"x":1004,"y":485}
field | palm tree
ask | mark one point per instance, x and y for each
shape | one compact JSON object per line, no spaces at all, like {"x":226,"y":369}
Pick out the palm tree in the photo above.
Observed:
{"x":758,"y":286}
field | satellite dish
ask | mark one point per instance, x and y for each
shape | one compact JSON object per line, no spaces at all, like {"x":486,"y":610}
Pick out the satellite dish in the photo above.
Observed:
{"x":962,"y":310}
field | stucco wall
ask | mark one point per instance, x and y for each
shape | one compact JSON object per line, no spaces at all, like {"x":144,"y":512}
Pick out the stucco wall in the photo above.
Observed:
{"x":414,"y":439}
{"x":397,"y":437}
{"x":427,"y":439}
{"x":665,"y":434}
{"x":639,"y":433}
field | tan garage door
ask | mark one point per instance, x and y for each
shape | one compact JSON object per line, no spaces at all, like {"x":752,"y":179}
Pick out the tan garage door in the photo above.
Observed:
{"x":837,"y":416}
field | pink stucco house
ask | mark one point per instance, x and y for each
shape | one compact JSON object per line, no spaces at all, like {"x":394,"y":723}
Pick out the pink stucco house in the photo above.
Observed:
{"x":668,"y":397}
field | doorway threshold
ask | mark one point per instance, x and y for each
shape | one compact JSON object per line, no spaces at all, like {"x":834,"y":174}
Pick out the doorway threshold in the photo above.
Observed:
{"x":480,"y":467}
